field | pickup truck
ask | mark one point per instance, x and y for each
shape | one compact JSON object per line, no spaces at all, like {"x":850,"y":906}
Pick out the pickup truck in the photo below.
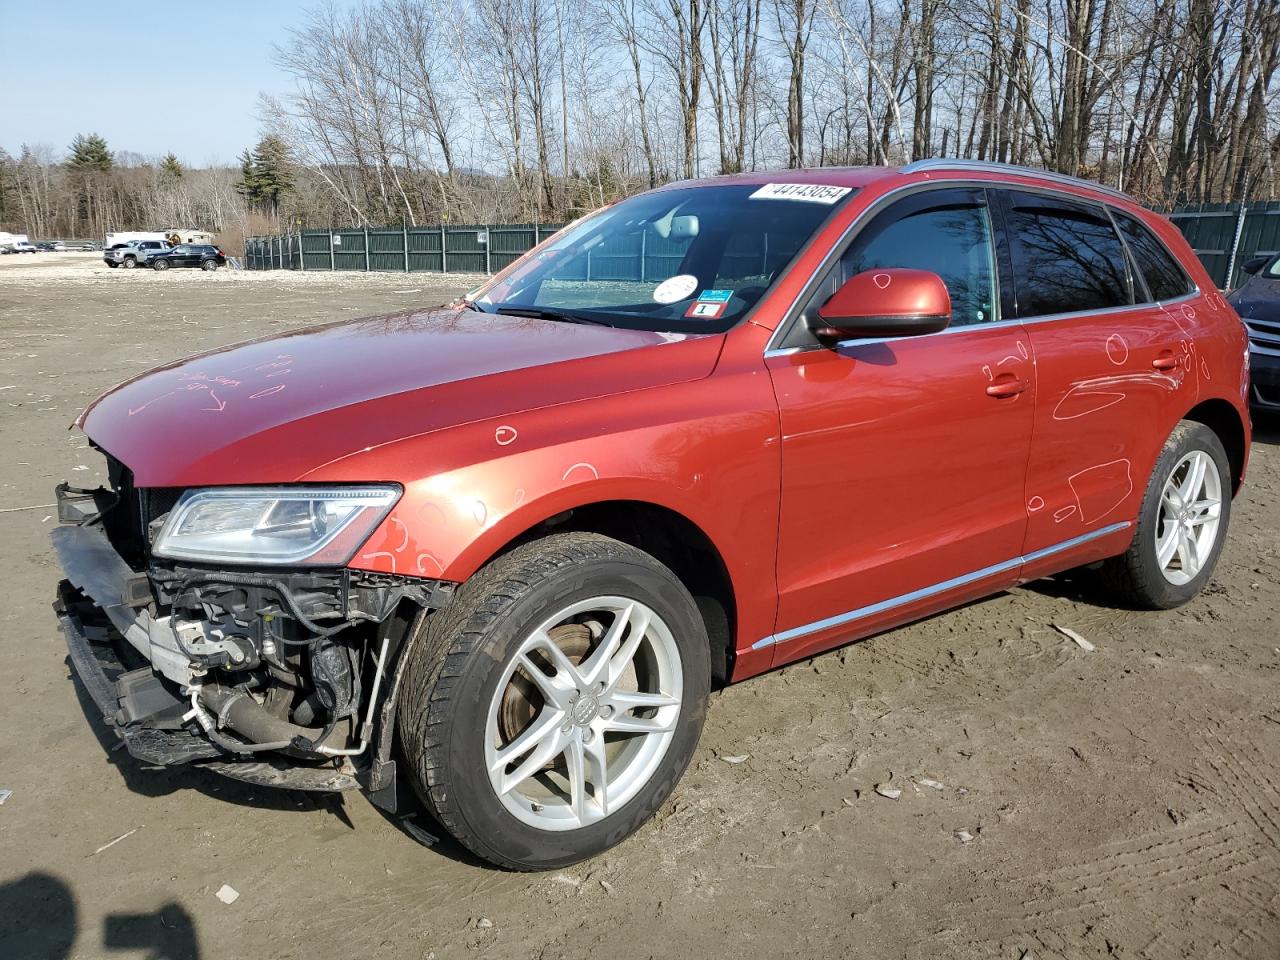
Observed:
{"x":134,"y":253}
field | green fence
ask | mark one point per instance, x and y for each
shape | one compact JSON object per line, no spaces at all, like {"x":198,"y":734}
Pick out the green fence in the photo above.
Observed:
{"x":453,"y":248}
{"x":1224,"y":236}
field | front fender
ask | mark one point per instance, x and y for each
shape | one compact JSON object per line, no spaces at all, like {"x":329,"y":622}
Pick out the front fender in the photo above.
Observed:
{"x":707,"y":452}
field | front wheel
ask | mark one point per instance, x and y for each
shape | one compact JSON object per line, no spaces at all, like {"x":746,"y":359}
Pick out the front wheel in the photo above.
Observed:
{"x":130,"y":263}
{"x":552,"y":706}
{"x":1181,"y":526}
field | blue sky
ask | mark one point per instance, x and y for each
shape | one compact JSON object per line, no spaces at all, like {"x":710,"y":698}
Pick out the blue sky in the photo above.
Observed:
{"x":192,"y":70}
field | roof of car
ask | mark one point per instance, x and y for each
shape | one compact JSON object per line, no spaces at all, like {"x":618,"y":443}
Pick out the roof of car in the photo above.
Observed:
{"x":863,"y":176}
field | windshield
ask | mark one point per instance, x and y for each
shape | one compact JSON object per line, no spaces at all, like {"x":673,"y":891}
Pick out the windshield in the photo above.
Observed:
{"x":690,"y":260}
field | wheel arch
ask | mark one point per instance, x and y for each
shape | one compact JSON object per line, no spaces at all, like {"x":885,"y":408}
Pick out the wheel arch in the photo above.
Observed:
{"x":1224,"y":419}
{"x":672,"y":539}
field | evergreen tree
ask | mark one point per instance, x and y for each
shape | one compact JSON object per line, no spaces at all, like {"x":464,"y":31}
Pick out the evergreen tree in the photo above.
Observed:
{"x":8,"y":187}
{"x":171,"y":168}
{"x":247,"y":185}
{"x":273,"y":171}
{"x":89,"y":154}
{"x":90,"y":166}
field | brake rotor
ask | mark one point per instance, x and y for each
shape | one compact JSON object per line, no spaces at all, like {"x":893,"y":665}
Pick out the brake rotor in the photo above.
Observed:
{"x":522,"y":700}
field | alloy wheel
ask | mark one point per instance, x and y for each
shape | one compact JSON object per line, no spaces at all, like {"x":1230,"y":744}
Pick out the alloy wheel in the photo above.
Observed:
{"x":583,"y":713}
{"x":1189,"y":518}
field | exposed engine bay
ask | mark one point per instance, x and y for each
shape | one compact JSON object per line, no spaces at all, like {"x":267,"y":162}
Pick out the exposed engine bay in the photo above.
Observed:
{"x":284,"y":677}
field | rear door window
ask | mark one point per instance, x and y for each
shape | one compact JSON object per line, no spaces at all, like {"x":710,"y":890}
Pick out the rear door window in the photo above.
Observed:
{"x":1067,"y":256}
{"x":1165,"y":279}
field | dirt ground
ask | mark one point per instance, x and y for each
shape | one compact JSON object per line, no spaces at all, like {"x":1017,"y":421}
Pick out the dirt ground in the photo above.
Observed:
{"x":1123,"y":802}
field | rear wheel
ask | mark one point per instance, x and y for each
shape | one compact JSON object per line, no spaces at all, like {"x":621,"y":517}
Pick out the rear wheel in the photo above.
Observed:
{"x":552,"y":706}
{"x":160,"y":264}
{"x":209,"y":266}
{"x":1181,"y":526}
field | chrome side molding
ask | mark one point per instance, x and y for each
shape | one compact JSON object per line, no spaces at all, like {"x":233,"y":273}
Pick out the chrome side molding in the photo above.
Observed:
{"x":861,"y":613}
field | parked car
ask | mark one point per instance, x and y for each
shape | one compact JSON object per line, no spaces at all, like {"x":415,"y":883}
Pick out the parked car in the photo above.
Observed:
{"x":1258,"y":302}
{"x":23,"y":246}
{"x":502,"y":550}
{"x":134,"y":253}
{"x":202,"y":255}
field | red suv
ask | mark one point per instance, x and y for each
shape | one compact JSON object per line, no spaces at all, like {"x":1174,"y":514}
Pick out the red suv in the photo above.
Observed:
{"x":500,"y":552}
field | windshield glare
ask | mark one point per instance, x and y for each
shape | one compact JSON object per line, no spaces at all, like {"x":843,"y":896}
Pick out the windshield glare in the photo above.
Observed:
{"x":691,"y":260}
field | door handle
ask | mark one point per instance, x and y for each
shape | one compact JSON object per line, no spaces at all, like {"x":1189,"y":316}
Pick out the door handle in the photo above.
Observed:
{"x":1002,"y":389}
{"x":1166,"y":361}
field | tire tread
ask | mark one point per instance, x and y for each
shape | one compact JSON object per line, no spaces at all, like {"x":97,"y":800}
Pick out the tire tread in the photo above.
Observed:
{"x":452,"y":637}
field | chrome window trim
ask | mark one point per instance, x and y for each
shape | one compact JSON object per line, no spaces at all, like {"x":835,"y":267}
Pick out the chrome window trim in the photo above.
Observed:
{"x":969,"y":328}
{"x":860,"y":222}
{"x":924,"y":593}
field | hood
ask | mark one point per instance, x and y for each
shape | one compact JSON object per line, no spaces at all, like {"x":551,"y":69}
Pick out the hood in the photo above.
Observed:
{"x":1257,"y":297}
{"x":273,"y":410}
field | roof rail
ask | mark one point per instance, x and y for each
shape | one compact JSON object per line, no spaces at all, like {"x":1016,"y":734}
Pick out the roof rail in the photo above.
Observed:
{"x":941,"y":163}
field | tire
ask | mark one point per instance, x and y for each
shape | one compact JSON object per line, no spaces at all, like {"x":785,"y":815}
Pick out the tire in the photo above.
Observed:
{"x":159,"y":264}
{"x":209,"y":266}
{"x":462,"y":701}
{"x":1137,"y":577}
{"x":130,"y":263}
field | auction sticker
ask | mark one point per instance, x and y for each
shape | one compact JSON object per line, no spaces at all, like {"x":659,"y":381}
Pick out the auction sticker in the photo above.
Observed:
{"x":809,"y":192}
{"x":706,"y":310}
{"x":677,"y":288}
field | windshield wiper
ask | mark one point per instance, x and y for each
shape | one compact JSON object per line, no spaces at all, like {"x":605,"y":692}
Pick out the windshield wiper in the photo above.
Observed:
{"x":538,"y":313}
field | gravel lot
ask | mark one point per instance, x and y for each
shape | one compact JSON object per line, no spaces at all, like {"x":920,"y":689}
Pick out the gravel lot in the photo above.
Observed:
{"x":1122,"y":802}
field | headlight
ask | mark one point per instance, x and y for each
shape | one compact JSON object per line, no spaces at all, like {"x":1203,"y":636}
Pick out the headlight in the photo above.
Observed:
{"x":310,"y":526}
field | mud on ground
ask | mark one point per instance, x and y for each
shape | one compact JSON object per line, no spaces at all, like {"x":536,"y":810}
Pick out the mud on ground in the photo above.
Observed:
{"x":1124,"y":802}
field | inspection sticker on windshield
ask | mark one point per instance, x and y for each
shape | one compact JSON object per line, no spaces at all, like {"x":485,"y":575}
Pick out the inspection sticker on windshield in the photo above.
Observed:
{"x":715,"y":296}
{"x":675,"y":289}
{"x":706,"y":310}
{"x":809,"y":192}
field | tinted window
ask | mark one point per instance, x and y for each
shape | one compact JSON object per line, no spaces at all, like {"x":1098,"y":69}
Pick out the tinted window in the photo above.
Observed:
{"x":951,"y":240}
{"x":1165,"y":279}
{"x":1066,"y":257}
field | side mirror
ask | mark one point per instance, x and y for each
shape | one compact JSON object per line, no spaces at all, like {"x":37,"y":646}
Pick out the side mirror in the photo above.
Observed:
{"x":1254,"y":264}
{"x":893,"y":302}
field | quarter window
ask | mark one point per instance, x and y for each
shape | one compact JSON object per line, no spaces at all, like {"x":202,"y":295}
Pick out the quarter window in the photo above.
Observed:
{"x":951,"y":240}
{"x":1067,"y":257}
{"x":1165,"y":278}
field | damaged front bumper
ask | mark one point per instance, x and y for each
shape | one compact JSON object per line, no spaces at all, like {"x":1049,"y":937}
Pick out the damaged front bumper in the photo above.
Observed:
{"x":280,"y":678}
